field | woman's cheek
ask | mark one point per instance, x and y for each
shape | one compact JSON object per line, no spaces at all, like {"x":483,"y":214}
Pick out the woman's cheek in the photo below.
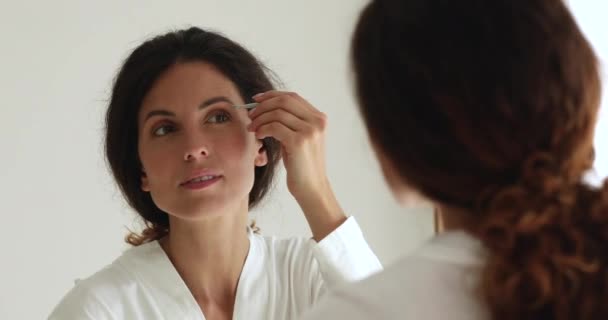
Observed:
{"x":235,"y":142}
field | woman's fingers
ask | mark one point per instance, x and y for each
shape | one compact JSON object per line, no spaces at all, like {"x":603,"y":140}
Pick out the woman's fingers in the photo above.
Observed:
{"x":289,"y":101}
{"x":292,"y":104}
{"x":276,"y":130}
{"x":277,"y":115}
{"x":292,"y":132}
{"x":299,"y":127}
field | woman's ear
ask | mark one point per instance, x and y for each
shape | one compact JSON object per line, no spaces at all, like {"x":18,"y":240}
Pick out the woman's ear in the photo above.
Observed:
{"x":261,"y":159}
{"x":145,"y":183}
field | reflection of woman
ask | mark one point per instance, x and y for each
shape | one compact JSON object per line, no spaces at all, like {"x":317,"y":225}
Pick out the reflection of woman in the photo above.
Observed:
{"x":486,"y":109}
{"x":192,"y":165}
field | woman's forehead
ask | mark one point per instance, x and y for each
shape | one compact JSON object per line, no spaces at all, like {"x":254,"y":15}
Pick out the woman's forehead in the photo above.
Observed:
{"x":189,"y":84}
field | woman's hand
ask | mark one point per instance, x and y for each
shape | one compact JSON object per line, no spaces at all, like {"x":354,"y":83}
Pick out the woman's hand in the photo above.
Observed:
{"x":300,"y":128}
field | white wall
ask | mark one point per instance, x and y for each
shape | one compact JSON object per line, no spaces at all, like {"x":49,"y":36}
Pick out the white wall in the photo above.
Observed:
{"x":62,"y":217}
{"x":591,"y":17}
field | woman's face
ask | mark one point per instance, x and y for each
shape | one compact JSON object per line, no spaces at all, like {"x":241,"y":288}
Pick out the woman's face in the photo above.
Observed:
{"x":197,"y":156}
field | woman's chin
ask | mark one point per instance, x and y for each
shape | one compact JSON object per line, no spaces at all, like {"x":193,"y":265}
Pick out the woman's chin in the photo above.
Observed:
{"x":203,"y":209}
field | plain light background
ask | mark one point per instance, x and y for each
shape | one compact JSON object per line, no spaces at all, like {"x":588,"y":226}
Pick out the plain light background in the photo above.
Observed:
{"x":62,"y":216}
{"x":591,"y":17}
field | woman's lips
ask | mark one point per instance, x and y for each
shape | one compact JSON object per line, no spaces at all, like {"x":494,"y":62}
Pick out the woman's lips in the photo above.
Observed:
{"x":200,"y":182}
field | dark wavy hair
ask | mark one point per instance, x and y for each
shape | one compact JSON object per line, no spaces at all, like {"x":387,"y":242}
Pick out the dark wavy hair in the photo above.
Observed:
{"x":490,"y":106}
{"x":135,"y":78}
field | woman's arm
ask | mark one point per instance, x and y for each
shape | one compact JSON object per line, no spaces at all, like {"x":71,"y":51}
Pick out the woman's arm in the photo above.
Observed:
{"x":343,"y":256}
{"x":339,"y":251}
{"x":300,"y":128}
{"x":322,"y":212}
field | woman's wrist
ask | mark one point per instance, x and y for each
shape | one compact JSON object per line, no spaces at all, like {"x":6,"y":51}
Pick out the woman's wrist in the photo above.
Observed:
{"x":322,"y":211}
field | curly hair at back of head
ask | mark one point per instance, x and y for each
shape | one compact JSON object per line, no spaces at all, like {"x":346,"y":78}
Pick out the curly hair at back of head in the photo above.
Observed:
{"x":135,"y":78}
{"x":490,"y":106}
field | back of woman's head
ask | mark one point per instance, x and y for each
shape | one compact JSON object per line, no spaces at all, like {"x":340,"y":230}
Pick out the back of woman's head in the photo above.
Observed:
{"x":135,"y":78}
{"x":490,"y":106}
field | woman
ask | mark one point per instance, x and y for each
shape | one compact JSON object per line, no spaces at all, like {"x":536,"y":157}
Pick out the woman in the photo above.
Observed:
{"x":192,"y":163}
{"x":487,"y":110}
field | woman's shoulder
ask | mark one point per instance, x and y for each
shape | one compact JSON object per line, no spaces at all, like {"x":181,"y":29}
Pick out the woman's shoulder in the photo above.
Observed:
{"x":92,"y":297}
{"x":279,"y":249}
{"x":96,"y":295}
{"x":431,"y":282}
{"x":121,"y":273}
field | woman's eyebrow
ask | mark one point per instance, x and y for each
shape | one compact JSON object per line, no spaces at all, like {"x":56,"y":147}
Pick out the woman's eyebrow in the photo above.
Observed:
{"x":203,"y":105}
{"x":214,"y":100}
{"x":158,"y":113}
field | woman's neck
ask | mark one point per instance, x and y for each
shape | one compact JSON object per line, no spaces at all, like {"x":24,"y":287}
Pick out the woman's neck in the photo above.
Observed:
{"x":209,"y":255}
{"x":451,"y":219}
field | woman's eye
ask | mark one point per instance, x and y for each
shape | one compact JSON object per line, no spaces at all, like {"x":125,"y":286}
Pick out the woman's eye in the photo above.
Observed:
{"x":219,"y":117}
{"x":163,"y":130}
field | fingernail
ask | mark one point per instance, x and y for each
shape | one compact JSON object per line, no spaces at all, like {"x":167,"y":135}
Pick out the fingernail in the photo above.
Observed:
{"x":258,"y":95}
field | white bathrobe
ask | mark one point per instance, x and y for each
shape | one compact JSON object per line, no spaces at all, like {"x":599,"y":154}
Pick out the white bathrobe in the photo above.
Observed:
{"x":436,"y":282}
{"x":280,"y":279}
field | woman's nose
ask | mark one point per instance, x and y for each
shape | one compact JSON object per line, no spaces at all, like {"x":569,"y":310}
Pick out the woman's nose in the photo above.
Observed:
{"x":196,"y":150}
